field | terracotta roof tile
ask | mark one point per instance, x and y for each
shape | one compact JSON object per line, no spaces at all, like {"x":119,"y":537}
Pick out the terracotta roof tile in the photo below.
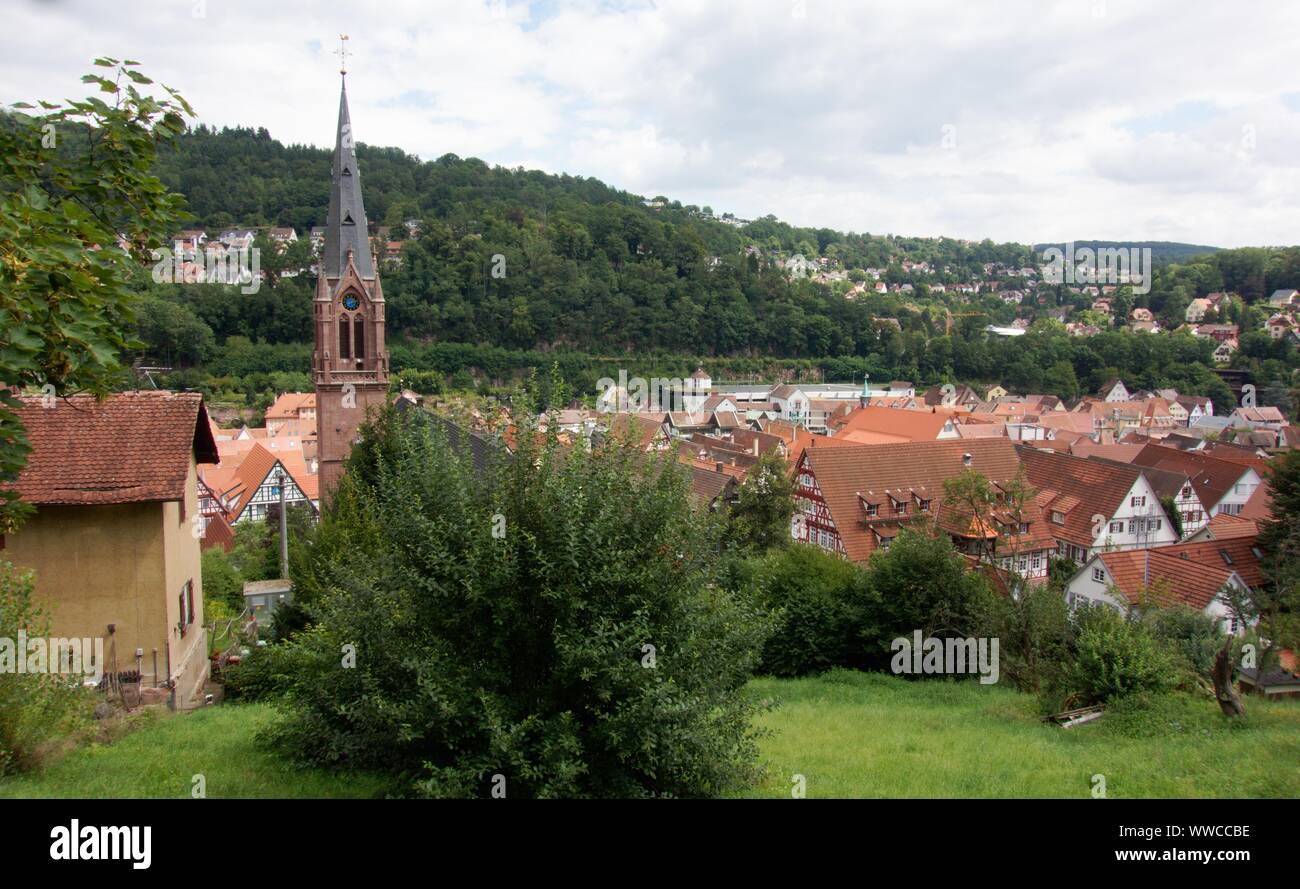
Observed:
{"x":218,"y":533}
{"x":131,"y":447}
{"x":1086,"y":487}
{"x":288,"y":404}
{"x":1225,"y":526}
{"x":1212,"y":477}
{"x":898,"y":424}
{"x":1240,"y":554}
{"x":1190,"y":582}
{"x":848,"y":475}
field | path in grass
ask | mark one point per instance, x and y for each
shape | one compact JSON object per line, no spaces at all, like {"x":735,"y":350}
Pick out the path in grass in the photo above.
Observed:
{"x":161,"y":760}
{"x":870,"y":735}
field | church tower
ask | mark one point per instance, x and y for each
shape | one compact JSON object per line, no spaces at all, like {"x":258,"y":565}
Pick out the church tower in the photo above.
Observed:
{"x":349,"y":363}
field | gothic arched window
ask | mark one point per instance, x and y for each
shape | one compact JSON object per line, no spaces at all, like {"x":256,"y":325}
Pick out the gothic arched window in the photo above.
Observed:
{"x":345,"y":341}
{"x":359,"y":329}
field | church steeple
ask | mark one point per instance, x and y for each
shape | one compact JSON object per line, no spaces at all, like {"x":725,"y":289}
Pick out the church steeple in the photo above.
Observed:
{"x":345,"y":226}
{"x":350,"y":361}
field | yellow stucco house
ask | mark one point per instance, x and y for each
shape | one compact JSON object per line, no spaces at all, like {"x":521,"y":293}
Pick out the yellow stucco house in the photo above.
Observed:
{"x":113,"y":542}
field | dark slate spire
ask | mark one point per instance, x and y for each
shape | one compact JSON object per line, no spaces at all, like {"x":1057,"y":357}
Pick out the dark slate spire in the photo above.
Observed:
{"x":346,"y":228}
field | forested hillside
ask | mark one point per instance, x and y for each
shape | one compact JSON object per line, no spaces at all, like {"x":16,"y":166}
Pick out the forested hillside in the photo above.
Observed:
{"x":586,"y":275}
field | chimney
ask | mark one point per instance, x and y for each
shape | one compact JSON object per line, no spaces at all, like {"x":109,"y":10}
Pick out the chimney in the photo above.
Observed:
{"x":755,"y":446}
{"x":966,"y":459}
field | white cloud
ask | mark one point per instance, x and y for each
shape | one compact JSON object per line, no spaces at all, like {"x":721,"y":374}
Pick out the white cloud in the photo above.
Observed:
{"x":1059,"y":122}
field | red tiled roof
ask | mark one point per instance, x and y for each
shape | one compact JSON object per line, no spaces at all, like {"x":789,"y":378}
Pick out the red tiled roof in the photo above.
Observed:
{"x":1190,"y":582}
{"x":746,"y":438}
{"x":1238,"y":554}
{"x":1225,"y":527}
{"x":1212,"y":478}
{"x":255,"y":468}
{"x":898,"y":424}
{"x":218,"y":533}
{"x":288,"y":404}
{"x":1260,"y":505}
{"x":849,"y":475}
{"x":1120,"y":453}
{"x":707,"y":485}
{"x":1094,"y":485}
{"x":131,"y":447}
{"x":635,"y":430}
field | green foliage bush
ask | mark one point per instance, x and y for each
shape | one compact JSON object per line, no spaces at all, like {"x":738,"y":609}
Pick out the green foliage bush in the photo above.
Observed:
{"x":1114,"y":656}
{"x":221,"y":580}
{"x":37,"y":711}
{"x":1193,"y":636}
{"x":921,"y":583}
{"x":265,"y":673}
{"x":819,"y":604}
{"x":524,"y":655}
{"x":1034,"y":635}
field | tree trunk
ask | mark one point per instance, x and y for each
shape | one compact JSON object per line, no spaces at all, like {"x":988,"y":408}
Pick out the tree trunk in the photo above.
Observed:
{"x":1222,"y":675}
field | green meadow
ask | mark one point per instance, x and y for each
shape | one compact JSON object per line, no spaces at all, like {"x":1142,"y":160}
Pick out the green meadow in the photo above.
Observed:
{"x":847,"y":734}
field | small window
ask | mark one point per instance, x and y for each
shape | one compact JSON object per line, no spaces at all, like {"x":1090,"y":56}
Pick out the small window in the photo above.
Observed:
{"x":925,"y":506}
{"x":1117,"y":527}
{"x":1099,"y":575}
{"x":872,"y":510}
{"x":1058,"y":518}
{"x":185,"y":604}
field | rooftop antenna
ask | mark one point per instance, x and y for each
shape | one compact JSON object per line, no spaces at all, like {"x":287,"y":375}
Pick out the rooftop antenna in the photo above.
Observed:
{"x":150,"y":371}
{"x":342,"y":53}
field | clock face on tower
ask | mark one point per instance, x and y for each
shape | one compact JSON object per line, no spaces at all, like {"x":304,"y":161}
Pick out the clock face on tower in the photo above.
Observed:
{"x":350,"y":302}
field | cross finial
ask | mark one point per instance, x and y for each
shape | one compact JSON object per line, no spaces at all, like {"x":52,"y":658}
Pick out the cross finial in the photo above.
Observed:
{"x":342,"y":53}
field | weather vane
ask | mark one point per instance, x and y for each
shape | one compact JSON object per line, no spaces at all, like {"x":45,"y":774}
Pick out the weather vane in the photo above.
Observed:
{"x":342,"y":53}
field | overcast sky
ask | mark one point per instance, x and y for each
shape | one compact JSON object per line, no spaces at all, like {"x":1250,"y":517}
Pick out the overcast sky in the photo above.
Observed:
{"x":1024,"y":121}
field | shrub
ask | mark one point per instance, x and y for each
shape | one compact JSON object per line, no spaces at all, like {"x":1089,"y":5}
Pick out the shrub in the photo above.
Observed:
{"x":818,"y":604}
{"x":921,"y":583}
{"x":1191,"y":635}
{"x":265,"y":673}
{"x":1033,"y":632}
{"x":1114,"y":657}
{"x":221,"y":581}
{"x":37,"y":710}
{"x":592,"y":649}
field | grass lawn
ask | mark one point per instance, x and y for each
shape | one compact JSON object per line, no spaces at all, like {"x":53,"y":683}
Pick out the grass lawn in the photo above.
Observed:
{"x":849,"y":734}
{"x":161,"y":758}
{"x":870,"y":735}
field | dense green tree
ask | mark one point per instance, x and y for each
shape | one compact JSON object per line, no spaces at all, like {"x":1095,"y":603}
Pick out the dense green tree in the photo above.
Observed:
{"x":558,"y":625}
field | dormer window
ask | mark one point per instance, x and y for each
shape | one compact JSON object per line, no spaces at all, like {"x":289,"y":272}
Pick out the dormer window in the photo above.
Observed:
{"x":872,"y":510}
{"x":1058,"y":518}
{"x":923,"y":504}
